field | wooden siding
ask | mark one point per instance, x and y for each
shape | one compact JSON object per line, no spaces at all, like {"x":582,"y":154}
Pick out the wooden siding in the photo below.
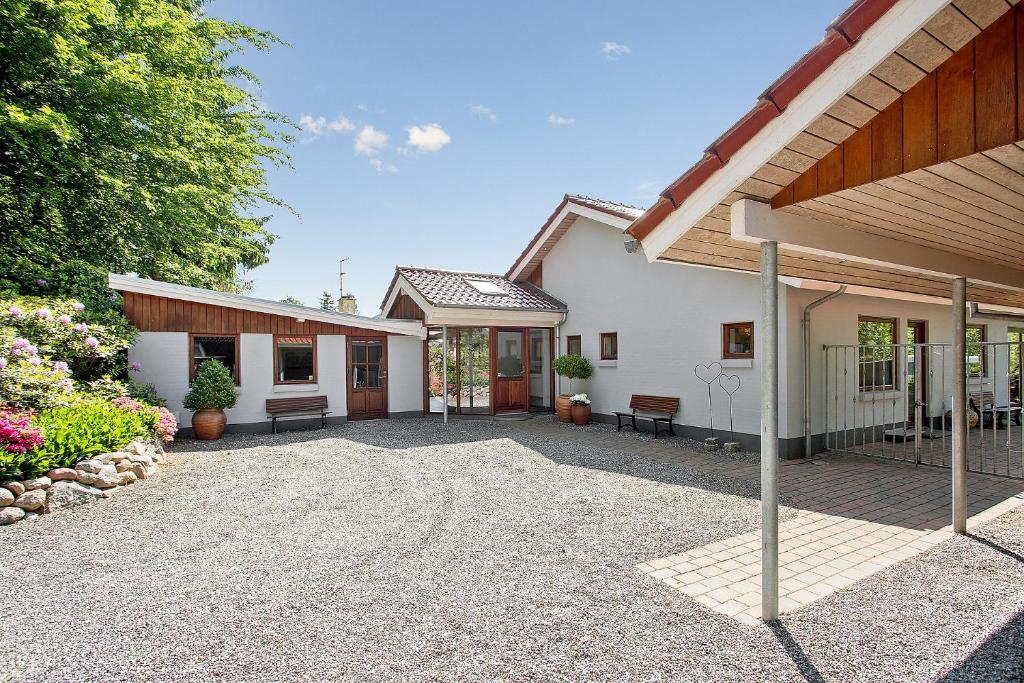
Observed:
{"x":405,"y":308}
{"x":161,"y":314}
{"x":971,"y":102}
{"x":536,"y":278}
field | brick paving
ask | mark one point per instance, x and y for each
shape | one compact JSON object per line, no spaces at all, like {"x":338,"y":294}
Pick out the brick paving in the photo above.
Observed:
{"x":857,"y":515}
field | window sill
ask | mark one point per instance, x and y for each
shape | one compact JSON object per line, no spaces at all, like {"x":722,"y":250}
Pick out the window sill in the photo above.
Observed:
{"x":736,"y":362}
{"x":888,"y":395}
{"x":290,"y":388}
{"x":607,"y":363}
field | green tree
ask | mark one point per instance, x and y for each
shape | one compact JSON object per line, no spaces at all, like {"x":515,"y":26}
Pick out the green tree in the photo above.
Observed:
{"x":326,"y":301}
{"x":292,"y":300}
{"x":131,"y":142}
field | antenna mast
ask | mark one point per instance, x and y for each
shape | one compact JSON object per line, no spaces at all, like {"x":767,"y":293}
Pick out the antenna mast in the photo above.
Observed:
{"x":341,"y":280}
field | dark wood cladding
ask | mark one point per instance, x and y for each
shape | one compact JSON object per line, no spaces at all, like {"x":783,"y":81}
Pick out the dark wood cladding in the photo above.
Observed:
{"x":536,"y":278}
{"x":160,"y":314}
{"x":405,"y":308}
{"x":974,"y":101}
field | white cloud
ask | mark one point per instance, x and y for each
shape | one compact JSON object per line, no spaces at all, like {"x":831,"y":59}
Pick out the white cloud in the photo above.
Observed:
{"x":318,"y":125}
{"x":428,"y":138}
{"x":482,"y":112}
{"x":556,"y":120}
{"x":382,"y":167}
{"x":615,"y":50}
{"x":371,"y":141}
{"x":341,"y":125}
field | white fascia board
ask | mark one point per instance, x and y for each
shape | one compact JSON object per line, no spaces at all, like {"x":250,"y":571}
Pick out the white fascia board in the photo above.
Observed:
{"x":403,"y":286}
{"x":880,"y":41}
{"x":124,"y":283}
{"x":570,"y":208}
{"x":482,"y":317}
{"x":752,"y":221}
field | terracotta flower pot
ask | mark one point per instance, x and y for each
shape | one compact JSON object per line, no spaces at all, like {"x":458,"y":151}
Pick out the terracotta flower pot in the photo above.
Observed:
{"x":562,"y":408}
{"x":208,"y":424}
{"x":581,"y":414}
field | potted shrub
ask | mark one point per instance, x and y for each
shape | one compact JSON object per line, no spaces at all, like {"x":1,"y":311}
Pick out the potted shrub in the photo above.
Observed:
{"x":571,"y":366}
{"x":580,"y":409}
{"x":212,"y":391}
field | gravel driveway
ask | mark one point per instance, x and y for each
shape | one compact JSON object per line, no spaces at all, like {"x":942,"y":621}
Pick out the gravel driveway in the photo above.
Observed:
{"x":402,"y":550}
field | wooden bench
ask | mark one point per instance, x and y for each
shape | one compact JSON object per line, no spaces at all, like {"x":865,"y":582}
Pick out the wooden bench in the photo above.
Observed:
{"x":665,"y":406}
{"x":300,"y":405}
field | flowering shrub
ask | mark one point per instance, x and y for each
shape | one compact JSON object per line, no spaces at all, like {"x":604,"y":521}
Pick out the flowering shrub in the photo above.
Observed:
{"x":29,"y":381}
{"x":92,"y":344}
{"x":86,"y":428}
{"x":17,"y":438}
{"x":166,"y":426}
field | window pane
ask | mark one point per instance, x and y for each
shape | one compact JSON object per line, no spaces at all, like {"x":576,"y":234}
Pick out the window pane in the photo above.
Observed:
{"x":609,"y":346}
{"x":218,"y":348}
{"x":358,"y":352}
{"x":740,"y":339}
{"x":574,"y":346}
{"x":876,"y":361}
{"x":510,"y":354}
{"x":976,"y":360}
{"x":295,"y":360}
{"x":374,"y":352}
{"x":372,"y":376}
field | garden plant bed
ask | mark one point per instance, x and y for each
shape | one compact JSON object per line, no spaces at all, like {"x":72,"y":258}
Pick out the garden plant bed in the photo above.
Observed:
{"x":404,"y":550}
{"x":90,"y":480}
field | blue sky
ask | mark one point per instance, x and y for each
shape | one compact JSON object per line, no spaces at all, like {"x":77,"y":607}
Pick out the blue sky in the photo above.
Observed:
{"x":443,"y":134}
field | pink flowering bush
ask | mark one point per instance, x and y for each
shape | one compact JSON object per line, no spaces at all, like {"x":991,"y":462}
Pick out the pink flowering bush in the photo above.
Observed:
{"x":93,"y":344}
{"x":166,"y":426}
{"x":18,"y":438}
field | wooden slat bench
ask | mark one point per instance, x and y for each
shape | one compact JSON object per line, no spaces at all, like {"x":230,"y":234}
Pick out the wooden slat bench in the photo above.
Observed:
{"x":665,"y":406}
{"x":300,"y":405}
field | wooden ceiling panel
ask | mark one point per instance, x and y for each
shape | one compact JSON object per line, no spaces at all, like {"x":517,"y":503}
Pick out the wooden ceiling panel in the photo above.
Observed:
{"x":875,"y":93}
{"x":899,"y":72}
{"x":951,"y":27}
{"x":925,"y":50}
{"x":982,"y":12}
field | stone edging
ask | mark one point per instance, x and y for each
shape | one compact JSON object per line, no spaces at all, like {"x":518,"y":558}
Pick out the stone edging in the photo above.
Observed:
{"x":93,"y":479}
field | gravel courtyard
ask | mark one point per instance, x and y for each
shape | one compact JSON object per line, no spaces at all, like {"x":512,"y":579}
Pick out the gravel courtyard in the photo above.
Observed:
{"x":405,"y":550}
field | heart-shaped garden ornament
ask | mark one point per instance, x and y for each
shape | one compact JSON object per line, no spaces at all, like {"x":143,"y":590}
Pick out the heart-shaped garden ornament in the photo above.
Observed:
{"x":708,"y":373}
{"x":730,"y":383}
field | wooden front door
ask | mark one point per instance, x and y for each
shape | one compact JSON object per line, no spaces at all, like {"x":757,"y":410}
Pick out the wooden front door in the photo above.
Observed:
{"x":367,"y":378}
{"x":509,"y":364}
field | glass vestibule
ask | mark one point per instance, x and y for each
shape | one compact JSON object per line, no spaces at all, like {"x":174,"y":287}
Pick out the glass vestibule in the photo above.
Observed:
{"x":468,"y":386}
{"x":490,"y":370}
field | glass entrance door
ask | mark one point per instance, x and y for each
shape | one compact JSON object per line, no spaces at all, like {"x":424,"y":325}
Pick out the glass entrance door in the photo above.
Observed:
{"x":541,"y":379}
{"x":512,"y":384}
{"x":474,"y":358}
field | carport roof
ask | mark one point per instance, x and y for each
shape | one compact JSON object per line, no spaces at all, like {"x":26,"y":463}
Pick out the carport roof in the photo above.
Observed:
{"x":874,"y":74}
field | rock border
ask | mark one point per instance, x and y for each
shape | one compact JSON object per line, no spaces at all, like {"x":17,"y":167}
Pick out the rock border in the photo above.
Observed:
{"x":92,"y":479}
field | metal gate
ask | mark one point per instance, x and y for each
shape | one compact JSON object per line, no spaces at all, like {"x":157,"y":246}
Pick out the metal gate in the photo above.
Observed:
{"x":894,"y":401}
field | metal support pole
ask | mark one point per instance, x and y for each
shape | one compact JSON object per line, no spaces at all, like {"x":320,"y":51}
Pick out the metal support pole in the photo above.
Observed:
{"x":444,"y":370}
{"x":960,"y":405}
{"x":770,"y":431}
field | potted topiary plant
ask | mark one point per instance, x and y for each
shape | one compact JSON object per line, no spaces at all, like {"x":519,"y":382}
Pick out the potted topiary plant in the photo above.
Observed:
{"x":580,"y":409}
{"x":571,"y":366}
{"x":211,"y":392}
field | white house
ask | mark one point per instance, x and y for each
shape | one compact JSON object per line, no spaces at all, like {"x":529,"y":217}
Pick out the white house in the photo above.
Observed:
{"x":581,"y":286}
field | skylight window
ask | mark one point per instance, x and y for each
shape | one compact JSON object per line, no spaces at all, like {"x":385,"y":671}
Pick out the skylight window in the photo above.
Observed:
{"x":486,"y":287}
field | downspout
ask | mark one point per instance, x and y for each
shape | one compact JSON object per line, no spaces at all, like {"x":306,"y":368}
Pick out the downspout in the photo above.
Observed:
{"x":558,"y":348}
{"x":807,"y":363}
